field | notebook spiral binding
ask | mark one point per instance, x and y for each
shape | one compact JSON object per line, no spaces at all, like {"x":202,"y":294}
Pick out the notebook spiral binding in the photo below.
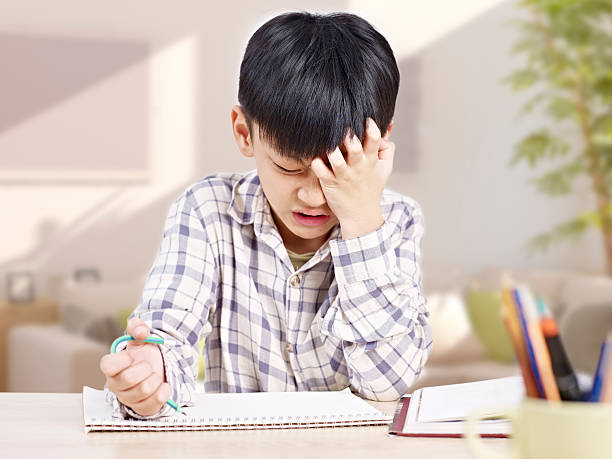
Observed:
{"x":229,"y":423}
{"x":247,"y":420}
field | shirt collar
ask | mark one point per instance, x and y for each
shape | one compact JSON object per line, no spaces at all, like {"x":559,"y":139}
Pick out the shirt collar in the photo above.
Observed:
{"x":250,"y":206}
{"x":247,"y":198}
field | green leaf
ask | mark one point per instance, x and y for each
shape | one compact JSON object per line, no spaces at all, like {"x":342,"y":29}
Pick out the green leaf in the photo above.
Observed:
{"x":532,"y":103}
{"x":538,"y":146}
{"x":559,"y":181}
{"x":572,"y":230}
{"x":539,"y":243}
{"x":526,"y":45}
{"x":561,"y":108}
{"x":603,"y":87}
{"x":523,"y":79}
{"x":601,"y":130}
{"x":604,"y":155}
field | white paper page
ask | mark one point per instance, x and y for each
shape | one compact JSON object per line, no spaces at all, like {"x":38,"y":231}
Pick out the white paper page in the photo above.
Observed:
{"x":492,"y":427}
{"x":413,"y":408}
{"x":245,"y":408}
{"x":458,"y":401}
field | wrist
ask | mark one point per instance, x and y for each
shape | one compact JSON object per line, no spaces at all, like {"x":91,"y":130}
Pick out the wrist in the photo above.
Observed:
{"x":360,"y":227}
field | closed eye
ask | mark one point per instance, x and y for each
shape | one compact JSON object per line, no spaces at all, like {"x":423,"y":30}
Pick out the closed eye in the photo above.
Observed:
{"x":287,"y":171}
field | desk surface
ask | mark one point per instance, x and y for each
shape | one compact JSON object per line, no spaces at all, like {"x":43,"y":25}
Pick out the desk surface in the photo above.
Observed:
{"x":51,"y":425}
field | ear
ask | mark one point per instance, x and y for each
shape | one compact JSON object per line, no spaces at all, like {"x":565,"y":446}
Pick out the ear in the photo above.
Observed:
{"x":386,"y":136}
{"x":241,"y":132}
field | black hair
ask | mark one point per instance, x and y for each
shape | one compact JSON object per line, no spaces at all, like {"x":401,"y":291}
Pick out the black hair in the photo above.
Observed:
{"x":308,"y":79}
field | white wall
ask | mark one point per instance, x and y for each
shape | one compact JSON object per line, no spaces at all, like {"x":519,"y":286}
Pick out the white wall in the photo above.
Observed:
{"x":195,"y":49}
{"x":457,"y":129}
{"x":478,"y":211}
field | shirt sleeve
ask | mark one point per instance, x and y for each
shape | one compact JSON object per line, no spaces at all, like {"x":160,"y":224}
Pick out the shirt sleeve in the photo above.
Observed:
{"x":380,"y":312}
{"x":176,"y":301}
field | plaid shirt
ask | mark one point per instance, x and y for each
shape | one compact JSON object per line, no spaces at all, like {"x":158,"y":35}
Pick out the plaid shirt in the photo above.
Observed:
{"x":353,"y":315}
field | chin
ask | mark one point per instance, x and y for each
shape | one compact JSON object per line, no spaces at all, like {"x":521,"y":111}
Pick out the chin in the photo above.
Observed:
{"x":312,"y":232}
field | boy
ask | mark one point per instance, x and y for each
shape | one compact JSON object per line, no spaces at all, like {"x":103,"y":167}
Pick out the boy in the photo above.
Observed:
{"x":303,"y":274}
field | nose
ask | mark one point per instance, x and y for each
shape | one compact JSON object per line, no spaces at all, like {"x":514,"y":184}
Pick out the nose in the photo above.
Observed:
{"x":310,"y":192}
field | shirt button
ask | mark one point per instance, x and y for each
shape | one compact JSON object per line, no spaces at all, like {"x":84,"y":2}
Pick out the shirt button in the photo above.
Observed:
{"x":290,"y":348}
{"x":295,"y":280}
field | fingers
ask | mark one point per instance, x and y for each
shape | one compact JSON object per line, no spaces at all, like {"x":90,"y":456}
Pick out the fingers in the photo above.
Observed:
{"x":135,"y":382}
{"x":371,"y":139}
{"x":137,"y":328}
{"x":354,"y":151}
{"x":337,"y":163}
{"x":385,"y":156}
{"x":113,"y":364}
{"x":141,"y":389}
{"x":154,"y":401}
{"x":129,"y":377}
{"x":133,"y":375}
{"x":386,"y":150}
{"x":322,"y":172}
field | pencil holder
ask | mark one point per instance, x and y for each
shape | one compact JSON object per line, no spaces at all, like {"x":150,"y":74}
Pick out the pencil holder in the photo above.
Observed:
{"x":542,"y":429}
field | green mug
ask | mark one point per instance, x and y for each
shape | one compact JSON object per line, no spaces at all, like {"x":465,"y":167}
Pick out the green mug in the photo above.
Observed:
{"x":558,"y":430}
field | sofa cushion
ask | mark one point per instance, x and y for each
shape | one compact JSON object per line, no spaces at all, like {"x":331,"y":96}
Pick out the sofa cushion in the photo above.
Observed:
{"x":45,"y":358}
{"x":583,"y":329}
{"x":450,"y":328}
{"x":585,"y":289}
{"x":93,"y":309}
{"x":90,"y":324}
{"x":484,"y":309}
{"x":548,"y":284}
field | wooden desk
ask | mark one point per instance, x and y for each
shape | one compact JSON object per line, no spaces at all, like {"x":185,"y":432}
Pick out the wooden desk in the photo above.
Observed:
{"x":35,"y":425}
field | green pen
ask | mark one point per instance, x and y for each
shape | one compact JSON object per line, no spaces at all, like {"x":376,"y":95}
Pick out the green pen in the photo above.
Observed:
{"x":150,"y":339}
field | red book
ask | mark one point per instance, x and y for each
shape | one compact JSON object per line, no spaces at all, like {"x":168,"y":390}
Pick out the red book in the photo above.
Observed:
{"x":440,"y":411}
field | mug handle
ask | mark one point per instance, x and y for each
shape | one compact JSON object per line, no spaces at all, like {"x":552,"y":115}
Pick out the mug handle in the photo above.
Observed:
{"x":473,"y":437}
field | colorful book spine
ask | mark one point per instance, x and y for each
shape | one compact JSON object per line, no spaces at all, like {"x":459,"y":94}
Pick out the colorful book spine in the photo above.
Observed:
{"x":535,"y":336}
{"x":511,"y":320}
{"x":566,"y":379}
{"x":606,"y":389}
{"x":599,"y":382}
{"x":528,"y":345}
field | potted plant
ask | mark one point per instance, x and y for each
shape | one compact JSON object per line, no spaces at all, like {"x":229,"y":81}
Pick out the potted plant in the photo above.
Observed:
{"x":568,"y":67}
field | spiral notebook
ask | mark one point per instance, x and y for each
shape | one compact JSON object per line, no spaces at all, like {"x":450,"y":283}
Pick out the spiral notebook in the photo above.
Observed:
{"x":255,"y":410}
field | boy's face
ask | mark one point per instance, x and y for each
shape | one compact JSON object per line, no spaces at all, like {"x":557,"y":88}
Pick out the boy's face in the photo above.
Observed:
{"x":298,"y":204}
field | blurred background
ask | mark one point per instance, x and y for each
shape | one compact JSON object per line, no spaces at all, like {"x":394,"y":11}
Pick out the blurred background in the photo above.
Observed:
{"x":109,"y":110}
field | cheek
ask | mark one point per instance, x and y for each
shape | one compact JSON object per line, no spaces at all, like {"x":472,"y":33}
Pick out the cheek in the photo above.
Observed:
{"x":278,"y":190}
{"x":284,"y":191}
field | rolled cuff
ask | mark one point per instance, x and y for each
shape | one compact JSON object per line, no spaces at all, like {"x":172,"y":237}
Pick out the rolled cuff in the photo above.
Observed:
{"x":364,"y":257}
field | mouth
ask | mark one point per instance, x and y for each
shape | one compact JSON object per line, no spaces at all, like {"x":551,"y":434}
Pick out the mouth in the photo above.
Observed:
{"x":310,"y":218}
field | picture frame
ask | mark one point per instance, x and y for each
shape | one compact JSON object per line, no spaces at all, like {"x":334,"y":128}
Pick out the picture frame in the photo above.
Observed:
{"x":86,"y":274}
{"x":68,"y":105}
{"x":20,"y":287}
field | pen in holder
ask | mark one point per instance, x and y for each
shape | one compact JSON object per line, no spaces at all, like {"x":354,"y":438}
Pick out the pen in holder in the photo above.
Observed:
{"x":152,"y":340}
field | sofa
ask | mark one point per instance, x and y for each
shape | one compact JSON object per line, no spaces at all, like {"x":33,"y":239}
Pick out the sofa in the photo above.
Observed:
{"x":64,"y":356}
{"x":581,"y":303}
